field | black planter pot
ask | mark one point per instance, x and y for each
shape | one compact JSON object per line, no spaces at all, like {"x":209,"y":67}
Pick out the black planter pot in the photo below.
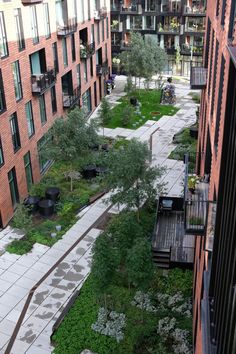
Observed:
{"x":105,"y":147}
{"x":46,"y":207}
{"x":89,"y":171}
{"x":32,"y":203}
{"x":193,"y":132}
{"x":52,"y":193}
{"x":101,"y":170}
{"x":133,"y":101}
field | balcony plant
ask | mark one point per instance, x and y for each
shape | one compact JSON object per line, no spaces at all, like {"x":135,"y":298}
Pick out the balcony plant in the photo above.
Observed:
{"x":192,"y":180}
{"x":196,"y":221}
{"x":174,"y":25}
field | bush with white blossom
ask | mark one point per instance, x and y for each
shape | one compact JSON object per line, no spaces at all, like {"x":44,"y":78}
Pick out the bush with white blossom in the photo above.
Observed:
{"x":110,"y":323}
{"x":143,"y":302}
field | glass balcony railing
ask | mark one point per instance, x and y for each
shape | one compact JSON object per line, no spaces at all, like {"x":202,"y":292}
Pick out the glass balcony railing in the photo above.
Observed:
{"x":132,"y":9}
{"x":71,"y":99}
{"x":41,"y":82}
{"x":69,"y":27}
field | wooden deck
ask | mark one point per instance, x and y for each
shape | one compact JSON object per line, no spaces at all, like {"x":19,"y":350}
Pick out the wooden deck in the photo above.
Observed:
{"x":170,"y":235}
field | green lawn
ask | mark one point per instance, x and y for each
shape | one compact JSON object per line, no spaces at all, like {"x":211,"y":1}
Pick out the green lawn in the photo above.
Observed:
{"x":150,"y":100}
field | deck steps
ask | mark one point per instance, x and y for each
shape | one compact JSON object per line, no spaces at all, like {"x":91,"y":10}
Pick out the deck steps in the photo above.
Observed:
{"x":161,"y":257}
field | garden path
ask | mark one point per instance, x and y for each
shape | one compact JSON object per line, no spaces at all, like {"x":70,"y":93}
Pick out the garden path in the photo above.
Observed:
{"x":18,"y":274}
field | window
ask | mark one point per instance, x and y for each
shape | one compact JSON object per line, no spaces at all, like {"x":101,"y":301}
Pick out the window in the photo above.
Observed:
{"x":43,"y":162}
{"x":55,"y":57}
{"x":103,"y":30}
{"x":1,"y":154}
{"x":42,"y":109}
{"x":53,"y":99}
{"x":34,"y":24}
{"x":214,"y":77}
{"x":219,"y":103}
{"x":17,"y":80}
{"x":86,"y":99}
{"x":92,"y":33}
{"x":64,"y":49}
{"x":85,"y":71}
{"x":29,"y":118}
{"x":46,"y":21}
{"x":73,"y":54}
{"x":107,"y":26}
{"x":28,"y":170}
{"x":19,"y":29}
{"x":78,"y":75}
{"x":91,"y":66}
{"x":15,"y":132}
{"x":98,"y":33}
{"x":3,"y":37}
{"x":13,"y":187}
{"x":106,"y":51}
{"x":2,"y":95}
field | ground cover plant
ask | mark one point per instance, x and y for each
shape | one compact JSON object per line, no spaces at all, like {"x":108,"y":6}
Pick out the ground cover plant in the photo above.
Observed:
{"x":150,"y":109}
{"x":185,"y":144}
{"x":143,"y":307}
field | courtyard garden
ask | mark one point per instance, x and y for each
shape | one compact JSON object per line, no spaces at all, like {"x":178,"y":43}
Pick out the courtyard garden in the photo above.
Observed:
{"x":126,"y":305}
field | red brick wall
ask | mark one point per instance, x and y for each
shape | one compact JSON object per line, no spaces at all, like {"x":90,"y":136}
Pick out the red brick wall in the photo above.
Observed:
{"x":208,"y":123}
{"x":16,"y":159}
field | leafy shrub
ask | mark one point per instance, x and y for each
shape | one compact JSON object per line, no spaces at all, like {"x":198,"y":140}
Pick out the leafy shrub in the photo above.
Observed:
{"x":19,"y":246}
{"x":22,"y":218}
{"x":127,"y":116}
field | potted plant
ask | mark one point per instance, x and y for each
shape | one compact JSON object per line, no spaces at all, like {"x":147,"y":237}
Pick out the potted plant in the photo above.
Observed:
{"x":192,"y":180}
{"x":196,"y":221}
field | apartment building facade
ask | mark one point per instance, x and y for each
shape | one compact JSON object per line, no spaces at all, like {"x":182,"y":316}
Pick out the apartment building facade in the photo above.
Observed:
{"x":54,"y":55}
{"x":214,"y":325}
{"x":177,"y":25}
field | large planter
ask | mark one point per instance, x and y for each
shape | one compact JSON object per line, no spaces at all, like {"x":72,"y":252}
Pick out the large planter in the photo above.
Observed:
{"x":52,"y":193}
{"x":46,"y":207}
{"x":31,"y":202}
{"x":89,"y":171}
{"x":193,"y":131}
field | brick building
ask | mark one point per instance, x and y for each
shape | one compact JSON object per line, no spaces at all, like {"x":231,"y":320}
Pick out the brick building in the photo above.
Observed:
{"x":214,"y":329}
{"x":53,"y":55}
{"x":177,"y":25}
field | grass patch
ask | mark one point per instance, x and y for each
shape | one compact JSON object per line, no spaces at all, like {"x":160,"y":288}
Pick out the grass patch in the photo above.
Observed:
{"x":150,"y":100}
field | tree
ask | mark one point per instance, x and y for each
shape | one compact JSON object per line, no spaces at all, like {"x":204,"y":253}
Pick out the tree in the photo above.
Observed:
{"x":144,"y":59}
{"x":104,"y":264}
{"x":70,"y":137}
{"x":104,"y":113}
{"x":140,"y":264}
{"x":131,"y":179}
{"x":127,"y":116}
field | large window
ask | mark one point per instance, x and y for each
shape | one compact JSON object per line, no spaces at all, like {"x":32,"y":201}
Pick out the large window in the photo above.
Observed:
{"x":17,"y":80}
{"x":2,"y":95}
{"x":34,"y":24}
{"x":15,"y":132}
{"x":85,"y":71}
{"x":28,"y":170}
{"x":78,"y":75}
{"x":46,"y":21}
{"x":19,"y":29}
{"x":42,"y":109}
{"x":55,"y":57}
{"x":64,"y":49}
{"x":107,"y":27}
{"x":1,"y":154}
{"x":73,"y":53}
{"x":53,"y":99}
{"x":103,"y":30}
{"x":3,"y":37}
{"x":13,"y":187}
{"x":29,"y":118}
{"x":98,"y":33}
{"x":86,"y":100}
{"x":44,"y":163}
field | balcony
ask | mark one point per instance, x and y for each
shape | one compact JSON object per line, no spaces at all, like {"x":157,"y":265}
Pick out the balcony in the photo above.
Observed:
{"x":198,"y":78}
{"x":69,"y":27}
{"x":125,"y":45}
{"x":115,"y":8}
{"x":132,"y":10}
{"x":102,"y":69}
{"x":170,"y":8}
{"x":42,"y":82}
{"x":100,"y":14}
{"x":31,"y":2}
{"x":168,"y":29}
{"x":195,"y":199}
{"x":187,"y":49}
{"x":170,"y":50}
{"x":194,"y":11}
{"x":170,"y":245}
{"x":195,"y":26}
{"x":87,"y":50}
{"x":70,"y":100}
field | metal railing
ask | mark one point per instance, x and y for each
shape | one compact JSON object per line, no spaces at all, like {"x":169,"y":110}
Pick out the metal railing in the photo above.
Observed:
{"x":41,"y":82}
{"x":100,"y":13}
{"x":132,"y":9}
{"x":87,"y":50}
{"x":70,"y":100}
{"x":70,"y":26}
{"x":195,"y":10}
{"x":102,"y":69}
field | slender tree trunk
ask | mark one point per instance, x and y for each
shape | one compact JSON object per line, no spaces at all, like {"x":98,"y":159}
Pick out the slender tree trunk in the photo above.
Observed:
{"x":71,"y":184}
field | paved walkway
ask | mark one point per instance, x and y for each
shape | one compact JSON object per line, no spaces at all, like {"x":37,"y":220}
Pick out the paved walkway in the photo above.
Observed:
{"x":18,"y":274}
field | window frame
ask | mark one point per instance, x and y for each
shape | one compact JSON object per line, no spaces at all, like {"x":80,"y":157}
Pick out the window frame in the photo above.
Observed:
{"x":15,"y":133}
{"x":42,"y":110}
{"x":34,"y":24}
{"x":17,"y":80}
{"x":19,"y":29}
{"x":13,"y":179}
{"x":53,"y":99}
{"x":2,"y":95}
{"x":1,"y":154}
{"x":64,"y":52}
{"x":28,"y":170}
{"x":3,"y":36}
{"x":29,"y":119}
{"x":47,"y":26}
